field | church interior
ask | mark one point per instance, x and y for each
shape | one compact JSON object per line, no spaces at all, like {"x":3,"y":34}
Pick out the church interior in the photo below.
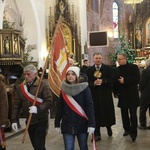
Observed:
{"x":106,"y":26}
{"x":82,"y":23}
{"x":89,"y":26}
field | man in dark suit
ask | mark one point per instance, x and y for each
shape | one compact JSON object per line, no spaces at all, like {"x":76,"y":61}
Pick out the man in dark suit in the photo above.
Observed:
{"x":101,"y":78}
{"x":126,"y":90}
{"x":144,"y":88}
{"x":85,"y":66}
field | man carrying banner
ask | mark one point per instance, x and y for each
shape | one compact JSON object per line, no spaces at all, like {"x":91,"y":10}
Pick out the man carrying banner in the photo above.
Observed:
{"x":3,"y":112}
{"x":24,"y":99}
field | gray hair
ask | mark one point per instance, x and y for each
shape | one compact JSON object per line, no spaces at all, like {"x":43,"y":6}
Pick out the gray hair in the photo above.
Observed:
{"x":97,"y":53}
{"x":123,"y":54}
{"x":31,"y":68}
{"x":147,"y":62}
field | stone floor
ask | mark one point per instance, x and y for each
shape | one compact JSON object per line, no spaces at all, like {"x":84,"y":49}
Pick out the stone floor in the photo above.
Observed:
{"x":54,"y":140}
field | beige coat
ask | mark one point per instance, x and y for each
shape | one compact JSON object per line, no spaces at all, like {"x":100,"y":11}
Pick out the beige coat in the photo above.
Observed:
{"x":3,"y":102}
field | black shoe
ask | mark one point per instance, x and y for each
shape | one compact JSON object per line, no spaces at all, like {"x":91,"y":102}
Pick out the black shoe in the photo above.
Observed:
{"x":142,"y":127}
{"x":126,"y":133}
{"x":109,"y":131}
{"x":97,"y":138}
{"x":148,"y":127}
{"x":133,"y":137}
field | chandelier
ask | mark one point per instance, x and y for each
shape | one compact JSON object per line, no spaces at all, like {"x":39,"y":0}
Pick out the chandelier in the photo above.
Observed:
{"x":132,"y":2}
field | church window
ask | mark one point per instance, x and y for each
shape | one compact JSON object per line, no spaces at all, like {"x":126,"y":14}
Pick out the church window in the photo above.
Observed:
{"x":115,"y":20}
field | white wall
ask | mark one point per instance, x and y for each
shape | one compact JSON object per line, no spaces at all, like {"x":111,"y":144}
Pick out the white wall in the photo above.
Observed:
{"x":36,"y":13}
{"x":33,"y":12}
{"x":81,"y":15}
{"x":2,"y":4}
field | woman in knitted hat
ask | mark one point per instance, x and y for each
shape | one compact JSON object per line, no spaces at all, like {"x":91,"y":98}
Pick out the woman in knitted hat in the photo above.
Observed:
{"x":75,"y":112}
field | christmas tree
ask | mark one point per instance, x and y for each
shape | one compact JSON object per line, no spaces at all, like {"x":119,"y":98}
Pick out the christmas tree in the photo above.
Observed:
{"x":124,"y":47}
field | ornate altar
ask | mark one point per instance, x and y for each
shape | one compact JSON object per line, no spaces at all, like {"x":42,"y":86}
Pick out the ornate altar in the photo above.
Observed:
{"x":139,"y":30}
{"x":11,"y":53}
{"x":69,"y":22}
{"x":11,"y":59}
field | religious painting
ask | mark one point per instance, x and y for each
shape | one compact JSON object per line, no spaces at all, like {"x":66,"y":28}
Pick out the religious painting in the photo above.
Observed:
{"x":68,"y":38}
{"x":148,"y":32}
{"x":138,"y":39}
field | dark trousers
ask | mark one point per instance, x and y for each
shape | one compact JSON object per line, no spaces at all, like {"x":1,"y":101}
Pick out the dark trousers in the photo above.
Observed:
{"x":129,"y":120}
{"x":97,"y":129}
{"x":37,"y":133}
{"x":2,"y":148}
{"x":142,"y":117}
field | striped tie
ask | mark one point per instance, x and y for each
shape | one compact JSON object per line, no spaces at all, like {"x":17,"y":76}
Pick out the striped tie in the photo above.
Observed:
{"x":97,"y":68}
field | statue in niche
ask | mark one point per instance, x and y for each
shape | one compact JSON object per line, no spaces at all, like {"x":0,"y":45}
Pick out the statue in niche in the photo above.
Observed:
{"x":61,"y":7}
{"x":6,"y":45}
{"x":15,"y":46}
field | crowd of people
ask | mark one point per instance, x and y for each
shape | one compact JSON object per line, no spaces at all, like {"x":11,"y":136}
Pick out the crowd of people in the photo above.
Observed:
{"x":85,"y":103}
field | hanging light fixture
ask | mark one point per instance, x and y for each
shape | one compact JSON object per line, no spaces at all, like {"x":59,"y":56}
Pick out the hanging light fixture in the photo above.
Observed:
{"x":132,"y":2}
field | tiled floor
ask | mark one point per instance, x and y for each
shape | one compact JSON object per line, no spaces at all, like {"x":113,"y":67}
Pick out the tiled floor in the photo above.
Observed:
{"x":116,"y":142}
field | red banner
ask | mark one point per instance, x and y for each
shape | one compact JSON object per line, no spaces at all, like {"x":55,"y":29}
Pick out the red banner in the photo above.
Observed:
{"x":58,"y":61}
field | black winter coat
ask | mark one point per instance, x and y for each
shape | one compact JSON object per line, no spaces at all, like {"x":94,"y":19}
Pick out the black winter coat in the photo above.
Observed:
{"x":102,"y":95}
{"x":69,"y":121}
{"x":144,"y":86}
{"x":128,"y":92}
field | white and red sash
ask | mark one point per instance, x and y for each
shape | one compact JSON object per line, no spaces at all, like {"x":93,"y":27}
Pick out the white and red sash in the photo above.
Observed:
{"x":74,"y":105}
{"x":29,"y":96}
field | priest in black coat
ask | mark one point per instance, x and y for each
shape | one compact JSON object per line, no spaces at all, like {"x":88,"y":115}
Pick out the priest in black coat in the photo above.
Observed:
{"x":144,"y":88}
{"x":126,"y":90}
{"x":101,"y":78}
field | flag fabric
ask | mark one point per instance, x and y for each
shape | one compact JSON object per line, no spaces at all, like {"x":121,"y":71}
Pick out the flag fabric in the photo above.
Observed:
{"x":94,"y":143}
{"x":58,"y":61}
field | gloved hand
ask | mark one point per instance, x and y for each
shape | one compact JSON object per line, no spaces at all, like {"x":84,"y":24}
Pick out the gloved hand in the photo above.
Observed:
{"x":14,"y":127}
{"x":33,"y":109}
{"x":90,"y":130}
{"x":3,"y":126}
{"x":58,"y":129}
